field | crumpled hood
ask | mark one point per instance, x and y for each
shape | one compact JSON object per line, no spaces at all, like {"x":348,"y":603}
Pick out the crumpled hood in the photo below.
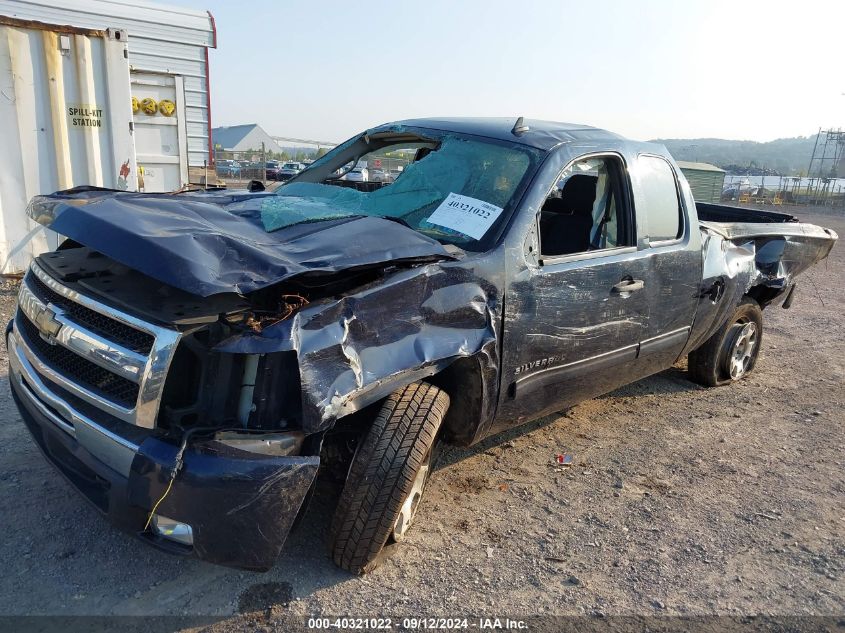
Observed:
{"x":210,"y":243}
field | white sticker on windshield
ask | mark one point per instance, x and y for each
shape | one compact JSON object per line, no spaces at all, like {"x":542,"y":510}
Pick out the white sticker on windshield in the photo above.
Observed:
{"x":466,"y":215}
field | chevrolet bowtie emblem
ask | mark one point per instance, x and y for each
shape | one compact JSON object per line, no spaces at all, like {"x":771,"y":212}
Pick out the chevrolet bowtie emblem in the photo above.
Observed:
{"x":47,"y":324}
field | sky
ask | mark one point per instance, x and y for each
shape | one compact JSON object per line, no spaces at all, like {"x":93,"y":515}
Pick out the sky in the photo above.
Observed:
{"x":645,"y":69}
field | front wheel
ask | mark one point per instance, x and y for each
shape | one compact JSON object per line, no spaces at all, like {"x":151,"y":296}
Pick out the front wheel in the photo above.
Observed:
{"x":387,"y":477}
{"x":731,"y":352}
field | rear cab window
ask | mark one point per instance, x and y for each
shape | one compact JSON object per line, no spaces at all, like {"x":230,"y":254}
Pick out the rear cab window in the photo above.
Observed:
{"x":660,"y":199}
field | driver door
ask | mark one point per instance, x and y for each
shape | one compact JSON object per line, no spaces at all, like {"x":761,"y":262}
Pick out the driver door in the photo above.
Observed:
{"x":574,"y":320}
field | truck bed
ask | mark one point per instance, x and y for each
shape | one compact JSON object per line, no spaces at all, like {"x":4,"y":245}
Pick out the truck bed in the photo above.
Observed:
{"x":751,"y":252}
{"x":710,"y":212}
{"x":740,"y":224}
{"x":791,"y":246}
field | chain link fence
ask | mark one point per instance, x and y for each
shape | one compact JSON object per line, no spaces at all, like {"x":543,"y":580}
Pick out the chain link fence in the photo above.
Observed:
{"x":235,"y":169}
{"x":777,"y":190}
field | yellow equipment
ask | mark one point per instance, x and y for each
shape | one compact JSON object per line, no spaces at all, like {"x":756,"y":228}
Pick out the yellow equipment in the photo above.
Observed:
{"x":149,"y":106}
{"x":166,"y":107}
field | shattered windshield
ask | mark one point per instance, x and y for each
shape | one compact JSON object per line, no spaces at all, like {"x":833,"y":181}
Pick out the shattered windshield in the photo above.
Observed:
{"x":454,"y":189}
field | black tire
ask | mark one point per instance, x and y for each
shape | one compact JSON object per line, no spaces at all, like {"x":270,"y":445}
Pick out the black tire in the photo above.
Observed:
{"x":383,"y":473}
{"x":709,"y":365}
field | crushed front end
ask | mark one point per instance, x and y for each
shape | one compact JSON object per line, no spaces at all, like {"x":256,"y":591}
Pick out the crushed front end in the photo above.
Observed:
{"x":182,"y":366}
{"x":117,"y":378}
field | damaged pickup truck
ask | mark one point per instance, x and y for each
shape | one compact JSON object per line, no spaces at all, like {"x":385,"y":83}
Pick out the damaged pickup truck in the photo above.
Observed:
{"x":187,"y":360}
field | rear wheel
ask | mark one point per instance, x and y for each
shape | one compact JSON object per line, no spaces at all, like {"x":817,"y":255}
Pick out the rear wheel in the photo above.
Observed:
{"x":731,"y":352}
{"x":387,"y":477}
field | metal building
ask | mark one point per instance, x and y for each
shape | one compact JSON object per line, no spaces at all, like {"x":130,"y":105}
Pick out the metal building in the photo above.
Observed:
{"x":97,"y":92}
{"x":705,"y":180}
{"x":240,"y":138}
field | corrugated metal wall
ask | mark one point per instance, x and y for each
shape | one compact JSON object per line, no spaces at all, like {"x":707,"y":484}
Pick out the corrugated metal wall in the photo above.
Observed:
{"x":161,"y":39}
{"x":65,"y":110}
{"x":706,"y":186}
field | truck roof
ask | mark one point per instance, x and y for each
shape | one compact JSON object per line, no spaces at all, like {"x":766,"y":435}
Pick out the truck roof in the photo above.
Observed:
{"x":540,"y":134}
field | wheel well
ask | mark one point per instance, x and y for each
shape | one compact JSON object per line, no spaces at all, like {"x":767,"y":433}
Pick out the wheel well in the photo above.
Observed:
{"x":464,"y":381}
{"x":467,"y":381}
{"x":764,"y":295}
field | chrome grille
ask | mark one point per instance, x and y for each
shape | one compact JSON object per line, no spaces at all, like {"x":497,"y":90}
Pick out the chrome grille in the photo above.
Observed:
{"x":95,"y":321}
{"x":79,"y":350}
{"x":98,"y":379}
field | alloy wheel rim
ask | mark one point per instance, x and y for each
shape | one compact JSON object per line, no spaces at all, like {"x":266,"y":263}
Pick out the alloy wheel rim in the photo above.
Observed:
{"x":742,"y":351}
{"x":409,"y":507}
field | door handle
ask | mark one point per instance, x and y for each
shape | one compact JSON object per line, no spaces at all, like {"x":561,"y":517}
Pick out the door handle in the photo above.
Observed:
{"x":629,"y":285}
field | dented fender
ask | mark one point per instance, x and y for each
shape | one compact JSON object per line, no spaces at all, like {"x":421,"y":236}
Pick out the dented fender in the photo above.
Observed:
{"x":352,"y":351}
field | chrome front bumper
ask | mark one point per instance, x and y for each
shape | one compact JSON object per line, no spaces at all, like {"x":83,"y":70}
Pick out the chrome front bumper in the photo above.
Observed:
{"x":103,"y":443}
{"x":240,"y":505}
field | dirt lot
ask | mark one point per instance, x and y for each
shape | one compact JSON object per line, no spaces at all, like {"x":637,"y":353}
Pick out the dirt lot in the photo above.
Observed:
{"x":680,"y":500}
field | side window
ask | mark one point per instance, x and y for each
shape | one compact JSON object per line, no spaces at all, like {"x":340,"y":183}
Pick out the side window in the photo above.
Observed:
{"x":660,"y":199}
{"x":586,"y":210}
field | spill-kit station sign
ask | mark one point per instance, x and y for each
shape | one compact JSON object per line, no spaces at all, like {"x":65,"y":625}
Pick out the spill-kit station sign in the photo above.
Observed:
{"x":84,"y":115}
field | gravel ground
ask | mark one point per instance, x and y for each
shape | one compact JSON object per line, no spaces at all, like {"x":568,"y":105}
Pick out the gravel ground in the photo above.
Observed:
{"x":680,"y":500}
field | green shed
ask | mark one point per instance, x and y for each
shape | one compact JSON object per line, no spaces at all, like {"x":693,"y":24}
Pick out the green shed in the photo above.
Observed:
{"x":704,"y":179}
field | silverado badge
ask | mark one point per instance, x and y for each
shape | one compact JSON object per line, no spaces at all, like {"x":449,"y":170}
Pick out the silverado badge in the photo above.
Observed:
{"x":47,"y":324}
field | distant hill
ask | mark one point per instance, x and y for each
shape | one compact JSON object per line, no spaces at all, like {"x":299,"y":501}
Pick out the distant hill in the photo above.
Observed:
{"x":784,"y":156}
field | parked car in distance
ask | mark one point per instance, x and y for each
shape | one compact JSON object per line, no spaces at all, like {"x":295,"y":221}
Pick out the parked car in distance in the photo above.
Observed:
{"x":289,"y":170}
{"x":273,"y":169}
{"x":228,"y":169}
{"x":252,"y":170}
{"x":358,"y":174}
{"x":378,"y":175}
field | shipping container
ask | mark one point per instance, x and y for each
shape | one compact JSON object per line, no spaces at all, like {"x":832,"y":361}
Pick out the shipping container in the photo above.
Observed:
{"x":705,"y":180}
{"x":97,"y":92}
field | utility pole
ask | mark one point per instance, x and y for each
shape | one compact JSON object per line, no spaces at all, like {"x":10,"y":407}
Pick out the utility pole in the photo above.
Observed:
{"x":263,"y":164}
